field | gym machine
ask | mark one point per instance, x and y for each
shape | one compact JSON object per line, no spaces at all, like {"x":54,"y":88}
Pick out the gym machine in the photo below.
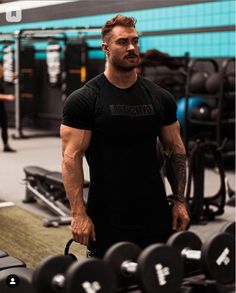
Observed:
{"x":68,"y":74}
{"x":47,"y":187}
{"x":27,"y":78}
{"x":204,"y":207}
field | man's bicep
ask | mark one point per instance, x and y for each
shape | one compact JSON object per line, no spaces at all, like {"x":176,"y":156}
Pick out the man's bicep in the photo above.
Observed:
{"x":74,"y":140}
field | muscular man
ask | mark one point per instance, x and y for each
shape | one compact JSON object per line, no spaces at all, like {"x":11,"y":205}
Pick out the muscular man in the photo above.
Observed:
{"x":114,"y":120}
{"x":3,"y":114}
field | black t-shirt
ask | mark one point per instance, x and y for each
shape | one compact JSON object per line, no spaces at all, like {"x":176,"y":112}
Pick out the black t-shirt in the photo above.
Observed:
{"x":126,"y":188}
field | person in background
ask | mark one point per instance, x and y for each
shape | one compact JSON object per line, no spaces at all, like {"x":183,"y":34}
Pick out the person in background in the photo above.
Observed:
{"x":3,"y":114}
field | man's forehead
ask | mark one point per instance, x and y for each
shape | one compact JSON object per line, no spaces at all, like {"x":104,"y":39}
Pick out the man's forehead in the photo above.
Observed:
{"x":123,"y":32}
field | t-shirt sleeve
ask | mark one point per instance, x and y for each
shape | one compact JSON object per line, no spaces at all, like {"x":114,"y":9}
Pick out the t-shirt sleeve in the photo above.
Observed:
{"x":78,"y":109}
{"x":170,"y":108}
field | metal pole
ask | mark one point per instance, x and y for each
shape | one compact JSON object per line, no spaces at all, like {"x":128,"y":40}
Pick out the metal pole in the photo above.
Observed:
{"x":18,"y":133}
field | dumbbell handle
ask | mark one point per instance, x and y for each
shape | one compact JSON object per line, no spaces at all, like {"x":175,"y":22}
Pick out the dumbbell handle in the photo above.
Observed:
{"x":129,"y":267}
{"x":191,"y":254}
{"x":58,"y":281}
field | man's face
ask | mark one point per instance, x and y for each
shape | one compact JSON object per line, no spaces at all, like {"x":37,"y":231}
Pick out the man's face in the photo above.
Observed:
{"x":122,"y":48}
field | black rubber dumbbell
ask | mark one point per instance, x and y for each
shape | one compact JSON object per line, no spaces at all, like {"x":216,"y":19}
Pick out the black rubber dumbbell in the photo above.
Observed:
{"x":215,"y":258}
{"x":63,"y":273}
{"x":158,"y":268}
{"x":56,"y":273}
{"x":229,"y":228}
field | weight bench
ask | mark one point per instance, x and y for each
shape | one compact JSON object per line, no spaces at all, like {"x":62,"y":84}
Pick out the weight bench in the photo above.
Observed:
{"x":3,"y":253}
{"x":47,"y":186}
{"x":7,"y":262}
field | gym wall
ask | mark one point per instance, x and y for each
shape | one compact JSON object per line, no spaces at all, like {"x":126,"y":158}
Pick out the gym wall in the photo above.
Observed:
{"x":201,"y":28}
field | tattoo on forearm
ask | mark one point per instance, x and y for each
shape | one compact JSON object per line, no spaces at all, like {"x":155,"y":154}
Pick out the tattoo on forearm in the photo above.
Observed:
{"x":176,"y":174}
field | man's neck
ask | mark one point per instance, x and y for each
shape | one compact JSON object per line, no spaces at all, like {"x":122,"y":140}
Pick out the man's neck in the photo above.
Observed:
{"x":121,"y":79}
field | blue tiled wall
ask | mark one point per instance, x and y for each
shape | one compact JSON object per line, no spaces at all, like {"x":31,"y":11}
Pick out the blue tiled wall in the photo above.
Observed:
{"x":202,"y":15}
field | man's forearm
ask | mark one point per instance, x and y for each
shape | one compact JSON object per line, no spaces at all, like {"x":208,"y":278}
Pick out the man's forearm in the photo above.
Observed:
{"x":73,"y":179}
{"x":175,"y":165}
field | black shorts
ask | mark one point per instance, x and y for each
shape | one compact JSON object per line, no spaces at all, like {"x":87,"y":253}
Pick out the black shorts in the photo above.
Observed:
{"x":107,"y":236}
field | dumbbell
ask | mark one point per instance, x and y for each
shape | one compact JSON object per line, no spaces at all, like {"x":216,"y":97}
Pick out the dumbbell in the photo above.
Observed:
{"x":229,"y":228}
{"x":215,"y":257}
{"x":158,"y":268}
{"x":62,"y":273}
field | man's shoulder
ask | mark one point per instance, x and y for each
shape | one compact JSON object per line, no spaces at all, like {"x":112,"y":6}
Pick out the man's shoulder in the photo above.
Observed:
{"x":90,"y":88}
{"x":95,"y":83}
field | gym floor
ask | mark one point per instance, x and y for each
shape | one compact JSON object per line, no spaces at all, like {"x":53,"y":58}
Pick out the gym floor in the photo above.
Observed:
{"x":46,"y":152}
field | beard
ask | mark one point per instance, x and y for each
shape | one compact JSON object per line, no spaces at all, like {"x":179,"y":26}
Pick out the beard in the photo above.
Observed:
{"x":126,"y":63}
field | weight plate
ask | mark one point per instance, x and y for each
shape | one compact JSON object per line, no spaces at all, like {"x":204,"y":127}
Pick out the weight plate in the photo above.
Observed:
{"x":90,"y":275}
{"x":49,"y":268}
{"x":187,"y":239}
{"x":160,"y":269}
{"x":229,"y":228}
{"x":218,"y":258}
{"x":184,"y":239}
{"x":119,"y":253}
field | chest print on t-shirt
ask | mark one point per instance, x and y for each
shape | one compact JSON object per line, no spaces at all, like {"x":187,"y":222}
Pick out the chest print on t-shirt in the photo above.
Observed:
{"x":132,"y":110}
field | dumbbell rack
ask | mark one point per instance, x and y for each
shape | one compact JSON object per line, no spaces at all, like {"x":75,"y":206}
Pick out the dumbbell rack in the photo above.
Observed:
{"x":166,"y":69}
{"x":206,"y":145}
{"x":191,"y":70}
{"x":217,"y":97}
{"x":230,"y":93}
{"x":182,"y":265}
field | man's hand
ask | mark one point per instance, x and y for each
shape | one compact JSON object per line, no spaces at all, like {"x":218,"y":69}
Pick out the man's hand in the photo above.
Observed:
{"x":82,"y":229}
{"x":180,"y":217}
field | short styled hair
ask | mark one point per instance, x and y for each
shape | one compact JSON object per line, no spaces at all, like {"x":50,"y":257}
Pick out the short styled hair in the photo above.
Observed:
{"x":118,"y":20}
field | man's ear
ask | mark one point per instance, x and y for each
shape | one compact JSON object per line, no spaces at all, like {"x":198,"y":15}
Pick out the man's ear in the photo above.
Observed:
{"x":105,"y":48}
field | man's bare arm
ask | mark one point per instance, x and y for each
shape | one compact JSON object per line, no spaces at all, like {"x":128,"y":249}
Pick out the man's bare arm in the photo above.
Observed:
{"x":175,"y":159}
{"x":175,"y":163}
{"x":74,"y":144}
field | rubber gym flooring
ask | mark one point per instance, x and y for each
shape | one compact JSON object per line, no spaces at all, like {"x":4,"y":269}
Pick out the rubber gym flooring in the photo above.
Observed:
{"x":21,"y":232}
